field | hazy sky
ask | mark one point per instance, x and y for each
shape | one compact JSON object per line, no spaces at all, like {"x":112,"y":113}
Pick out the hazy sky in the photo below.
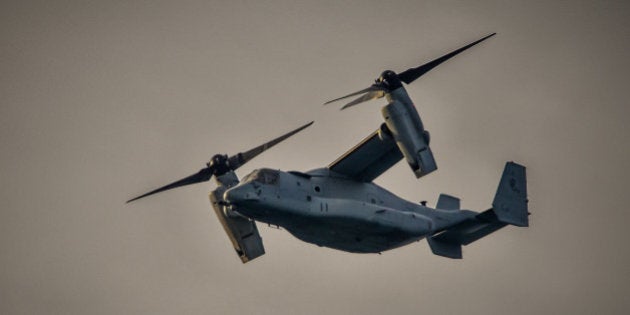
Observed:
{"x":103,"y":100}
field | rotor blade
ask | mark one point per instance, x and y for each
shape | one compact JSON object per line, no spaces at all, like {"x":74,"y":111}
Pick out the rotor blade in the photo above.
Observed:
{"x":367,"y":97}
{"x":412,"y":74}
{"x":202,"y":176}
{"x":369,"y":89}
{"x":237,"y":160}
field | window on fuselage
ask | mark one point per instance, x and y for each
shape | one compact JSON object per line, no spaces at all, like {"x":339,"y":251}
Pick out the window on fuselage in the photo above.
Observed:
{"x":263,"y":176}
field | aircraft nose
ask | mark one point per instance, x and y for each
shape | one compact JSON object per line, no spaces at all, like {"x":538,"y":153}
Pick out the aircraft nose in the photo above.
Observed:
{"x":240,"y":194}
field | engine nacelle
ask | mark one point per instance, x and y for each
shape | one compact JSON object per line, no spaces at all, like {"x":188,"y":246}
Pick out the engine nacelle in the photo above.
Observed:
{"x":405,"y":126}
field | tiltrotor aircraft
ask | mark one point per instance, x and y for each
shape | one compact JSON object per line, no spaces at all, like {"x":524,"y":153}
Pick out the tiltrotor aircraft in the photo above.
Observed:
{"x":339,"y":206}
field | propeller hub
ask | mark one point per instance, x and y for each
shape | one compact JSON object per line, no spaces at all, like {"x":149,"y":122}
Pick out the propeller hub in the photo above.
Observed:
{"x":219,"y":163}
{"x":389,"y":80}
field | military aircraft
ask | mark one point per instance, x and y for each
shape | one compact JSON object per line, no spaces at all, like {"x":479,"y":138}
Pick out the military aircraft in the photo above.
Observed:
{"x":339,"y":206}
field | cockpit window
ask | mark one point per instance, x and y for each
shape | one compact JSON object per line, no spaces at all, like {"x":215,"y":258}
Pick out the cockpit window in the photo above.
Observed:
{"x":247,"y":177}
{"x":263,"y":176}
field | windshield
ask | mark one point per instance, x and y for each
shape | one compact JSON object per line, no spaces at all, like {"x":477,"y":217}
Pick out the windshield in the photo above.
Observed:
{"x":263,"y":176}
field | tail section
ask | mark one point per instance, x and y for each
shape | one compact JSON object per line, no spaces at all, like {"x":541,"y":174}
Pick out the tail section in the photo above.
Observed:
{"x":509,"y":207}
{"x":510,"y":201}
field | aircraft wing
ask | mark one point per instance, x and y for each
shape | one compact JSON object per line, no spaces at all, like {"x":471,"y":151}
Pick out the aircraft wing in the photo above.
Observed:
{"x":368,"y":159}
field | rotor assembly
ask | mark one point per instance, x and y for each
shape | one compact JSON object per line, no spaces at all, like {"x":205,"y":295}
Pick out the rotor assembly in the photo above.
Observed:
{"x":222,"y":164}
{"x":390,"y":80}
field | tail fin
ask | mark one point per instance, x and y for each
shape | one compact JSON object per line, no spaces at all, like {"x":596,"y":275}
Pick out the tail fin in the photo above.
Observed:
{"x":509,"y":207}
{"x":510,"y":201}
{"x":439,"y":247}
{"x":447,"y":202}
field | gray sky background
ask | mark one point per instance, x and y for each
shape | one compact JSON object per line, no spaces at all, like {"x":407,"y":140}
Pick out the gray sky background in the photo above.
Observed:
{"x":103,"y":100}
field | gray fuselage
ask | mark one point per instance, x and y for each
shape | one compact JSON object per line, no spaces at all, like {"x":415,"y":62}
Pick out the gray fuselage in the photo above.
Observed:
{"x":326,"y":209}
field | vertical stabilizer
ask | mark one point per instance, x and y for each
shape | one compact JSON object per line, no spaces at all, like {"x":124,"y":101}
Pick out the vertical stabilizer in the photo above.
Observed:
{"x":447,"y":202}
{"x":445,"y":249}
{"x":510,"y":201}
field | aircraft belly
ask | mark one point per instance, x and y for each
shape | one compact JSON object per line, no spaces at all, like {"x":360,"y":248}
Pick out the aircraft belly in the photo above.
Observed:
{"x":359,"y":227}
{"x":349,"y":225}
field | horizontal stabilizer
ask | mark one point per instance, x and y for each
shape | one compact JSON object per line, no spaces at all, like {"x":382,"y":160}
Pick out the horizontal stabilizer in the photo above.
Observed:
{"x":510,"y":201}
{"x":471,"y":230}
{"x":447,"y":202}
